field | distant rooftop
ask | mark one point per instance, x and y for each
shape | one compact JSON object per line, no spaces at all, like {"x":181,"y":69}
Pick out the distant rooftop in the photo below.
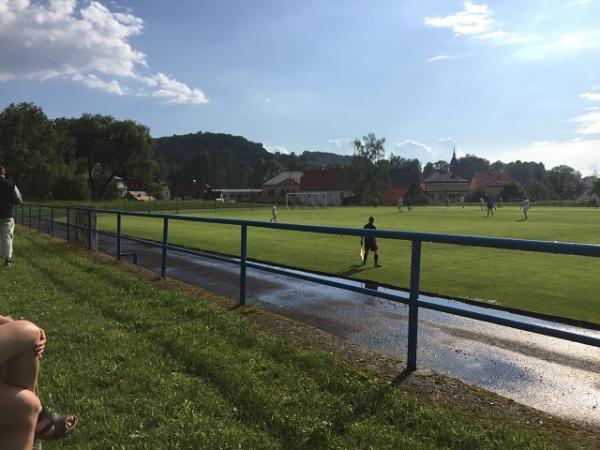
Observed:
{"x":283,"y":176}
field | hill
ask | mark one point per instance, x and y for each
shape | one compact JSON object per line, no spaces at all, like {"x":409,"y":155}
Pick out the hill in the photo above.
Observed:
{"x":227,"y":161}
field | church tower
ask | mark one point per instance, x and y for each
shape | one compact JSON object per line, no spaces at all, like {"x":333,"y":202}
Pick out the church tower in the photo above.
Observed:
{"x":453,"y":162}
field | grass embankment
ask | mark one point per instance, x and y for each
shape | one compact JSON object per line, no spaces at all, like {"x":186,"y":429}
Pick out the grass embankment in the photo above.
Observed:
{"x":549,"y":284}
{"x":147,"y":368}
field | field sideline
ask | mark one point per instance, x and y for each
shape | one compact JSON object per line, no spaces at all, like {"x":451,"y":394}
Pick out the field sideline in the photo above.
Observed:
{"x":147,"y":368}
{"x":550,"y":284}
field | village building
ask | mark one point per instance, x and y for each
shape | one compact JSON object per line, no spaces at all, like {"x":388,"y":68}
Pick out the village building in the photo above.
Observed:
{"x":275,"y":189}
{"x":238,"y":195}
{"x":490,"y":181}
{"x":585,"y":195}
{"x":441,"y":187}
{"x":401,"y":183}
{"x":323,"y":187}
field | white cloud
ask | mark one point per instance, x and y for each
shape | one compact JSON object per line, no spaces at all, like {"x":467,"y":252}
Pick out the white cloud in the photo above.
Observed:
{"x":409,"y":144}
{"x":341,"y":142}
{"x":176,"y":92}
{"x":474,"y":20}
{"x":581,"y":2}
{"x":444,"y":57}
{"x":276,"y":149}
{"x":92,"y":81}
{"x":589,"y":123}
{"x":543,"y":143}
{"x":43,"y":40}
{"x":576,"y":41}
{"x":592,"y":94}
{"x":583,"y":155}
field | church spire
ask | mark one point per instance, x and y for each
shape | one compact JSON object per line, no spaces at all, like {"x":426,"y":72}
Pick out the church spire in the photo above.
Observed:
{"x":453,"y":161}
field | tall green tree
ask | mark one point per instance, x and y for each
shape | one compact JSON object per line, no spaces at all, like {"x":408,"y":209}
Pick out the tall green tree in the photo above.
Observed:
{"x":34,"y":153}
{"x":106,"y":147}
{"x":367,"y":172}
{"x":563,"y":181}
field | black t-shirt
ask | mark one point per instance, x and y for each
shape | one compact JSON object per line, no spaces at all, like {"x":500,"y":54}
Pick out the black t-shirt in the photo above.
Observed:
{"x":7,"y":198}
{"x":369,"y":241}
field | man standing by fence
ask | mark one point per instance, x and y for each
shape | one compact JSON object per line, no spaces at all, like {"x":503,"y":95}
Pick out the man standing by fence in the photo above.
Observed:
{"x":9,"y":196}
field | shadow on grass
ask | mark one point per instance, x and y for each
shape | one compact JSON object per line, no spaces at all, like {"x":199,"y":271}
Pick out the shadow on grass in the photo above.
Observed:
{"x":354,"y":268}
{"x":401,"y":377}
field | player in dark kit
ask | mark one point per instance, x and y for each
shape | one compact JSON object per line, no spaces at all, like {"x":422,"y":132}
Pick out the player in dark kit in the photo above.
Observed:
{"x":370,"y":243}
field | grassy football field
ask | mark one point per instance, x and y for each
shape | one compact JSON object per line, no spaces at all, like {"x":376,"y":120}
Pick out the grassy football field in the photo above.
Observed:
{"x":551,"y":284}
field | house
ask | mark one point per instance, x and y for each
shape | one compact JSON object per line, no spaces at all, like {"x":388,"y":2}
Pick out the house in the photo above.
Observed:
{"x":238,"y":195}
{"x":490,"y":181}
{"x":439,"y":187}
{"x":584,"y":195}
{"x":401,"y":184}
{"x":121,"y":186}
{"x":191,"y":189}
{"x":275,"y":189}
{"x":323,"y":187}
{"x":141,"y":196}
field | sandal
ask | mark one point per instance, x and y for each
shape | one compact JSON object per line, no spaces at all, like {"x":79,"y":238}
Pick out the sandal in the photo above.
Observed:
{"x":54,"y":420}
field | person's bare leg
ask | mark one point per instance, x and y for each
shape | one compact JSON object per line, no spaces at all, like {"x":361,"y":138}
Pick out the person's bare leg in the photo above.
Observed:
{"x":17,"y":357}
{"x":18,"y":416}
{"x":20,"y":404}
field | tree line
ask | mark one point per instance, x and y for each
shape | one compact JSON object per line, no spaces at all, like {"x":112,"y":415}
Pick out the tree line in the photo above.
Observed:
{"x":78,"y":158}
{"x":369,"y":172}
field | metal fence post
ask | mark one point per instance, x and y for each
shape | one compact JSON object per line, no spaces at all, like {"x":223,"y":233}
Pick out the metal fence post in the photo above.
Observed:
{"x":89,"y":228}
{"x":52,"y":221}
{"x":118,"y":235}
{"x":39,"y":217}
{"x":30,"y":218}
{"x":163,"y":260}
{"x":22,"y":214}
{"x":413,"y":306}
{"x":243,"y":252}
{"x":68,"y":225}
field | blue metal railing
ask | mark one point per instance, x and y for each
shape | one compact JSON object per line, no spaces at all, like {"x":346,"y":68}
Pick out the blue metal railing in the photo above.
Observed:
{"x":417,"y":238}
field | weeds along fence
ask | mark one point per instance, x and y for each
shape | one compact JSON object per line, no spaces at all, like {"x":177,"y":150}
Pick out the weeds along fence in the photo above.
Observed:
{"x":80,"y":225}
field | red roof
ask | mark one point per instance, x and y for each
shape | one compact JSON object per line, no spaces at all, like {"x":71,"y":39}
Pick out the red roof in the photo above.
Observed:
{"x":444,"y":178}
{"x":489,"y":178}
{"x":323,"y":180}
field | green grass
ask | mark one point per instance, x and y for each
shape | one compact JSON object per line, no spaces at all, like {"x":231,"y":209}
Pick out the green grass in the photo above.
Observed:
{"x":551,"y":284}
{"x":153,"y":369}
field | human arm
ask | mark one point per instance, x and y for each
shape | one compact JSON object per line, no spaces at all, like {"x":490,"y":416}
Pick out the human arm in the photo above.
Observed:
{"x":18,"y":196}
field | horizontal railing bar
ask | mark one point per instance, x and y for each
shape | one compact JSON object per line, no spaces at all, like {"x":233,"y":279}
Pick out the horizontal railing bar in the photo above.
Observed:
{"x":539,"y":329}
{"x":565,"y":248}
{"x":319,"y":280}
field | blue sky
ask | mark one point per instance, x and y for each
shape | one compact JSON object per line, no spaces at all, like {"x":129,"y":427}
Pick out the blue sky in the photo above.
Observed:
{"x":503,"y":80}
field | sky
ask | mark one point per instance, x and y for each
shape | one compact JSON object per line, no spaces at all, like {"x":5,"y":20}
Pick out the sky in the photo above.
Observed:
{"x":502,"y":80}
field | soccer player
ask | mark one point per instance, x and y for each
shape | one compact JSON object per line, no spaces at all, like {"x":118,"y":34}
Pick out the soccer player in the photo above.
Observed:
{"x":462,"y":201}
{"x":448,"y":202}
{"x":274,"y":212}
{"x":481,"y":203}
{"x":399,"y":202}
{"x":525,"y":207}
{"x":370,"y":243}
{"x":490,"y":205}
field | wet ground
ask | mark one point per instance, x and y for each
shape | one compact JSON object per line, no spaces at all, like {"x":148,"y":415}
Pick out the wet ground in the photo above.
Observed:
{"x":556,"y":376}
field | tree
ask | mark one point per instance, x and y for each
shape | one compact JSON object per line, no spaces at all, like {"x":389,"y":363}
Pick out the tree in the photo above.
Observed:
{"x":596,"y":187}
{"x":538,"y":191}
{"x":367,"y":172}
{"x":467,"y":165}
{"x":106,"y":147}
{"x":512,"y":191}
{"x":526,"y":172}
{"x":563,"y":181}
{"x":36,"y":154}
